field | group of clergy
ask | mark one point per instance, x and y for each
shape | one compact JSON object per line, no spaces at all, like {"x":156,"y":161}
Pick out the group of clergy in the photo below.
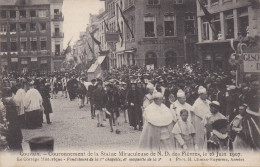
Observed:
{"x":197,"y":127}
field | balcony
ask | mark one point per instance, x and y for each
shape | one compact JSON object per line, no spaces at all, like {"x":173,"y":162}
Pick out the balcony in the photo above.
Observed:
{"x":57,"y":17}
{"x":58,"y":35}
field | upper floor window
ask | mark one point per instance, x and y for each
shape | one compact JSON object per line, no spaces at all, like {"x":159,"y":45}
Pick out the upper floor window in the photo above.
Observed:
{"x":217,"y":27}
{"x":56,"y":11}
{"x":3,"y":46}
{"x":189,"y":23}
{"x":32,"y":13}
{"x":43,"y":13}
{"x":23,"y":27}
{"x":33,"y":27}
{"x":12,"y":14}
{"x":153,"y":2}
{"x":229,"y":24}
{"x":169,"y":25}
{"x":3,"y":28}
{"x":3,"y":14}
{"x":205,"y":29}
{"x":13,"y":27}
{"x":14,"y":46}
{"x":22,"y":13}
{"x":243,"y":21}
{"x":43,"y":26}
{"x":149,"y":26}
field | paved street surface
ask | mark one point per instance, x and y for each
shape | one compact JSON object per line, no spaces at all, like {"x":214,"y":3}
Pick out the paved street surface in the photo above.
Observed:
{"x":72,"y":128}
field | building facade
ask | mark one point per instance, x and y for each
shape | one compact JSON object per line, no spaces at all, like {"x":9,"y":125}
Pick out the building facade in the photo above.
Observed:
{"x":232,"y":20}
{"x":26,"y":35}
{"x":164,"y":32}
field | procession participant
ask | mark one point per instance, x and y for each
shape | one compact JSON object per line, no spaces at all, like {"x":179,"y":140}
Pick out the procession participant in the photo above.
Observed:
{"x":133,"y":106}
{"x":215,"y":115}
{"x":33,"y":107}
{"x":113,"y":104}
{"x":91,"y":88}
{"x":14,"y":135}
{"x":247,"y":135}
{"x":141,"y":94}
{"x":156,"y":134}
{"x":148,"y":98}
{"x":184,"y":132}
{"x":46,"y":103}
{"x":181,"y":104}
{"x":99,"y":101}
{"x":53,"y":82}
{"x":219,"y":140}
{"x":64,"y":81}
{"x":81,"y":91}
{"x":19,"y":101}
{"x":200,"y":110}
{"x":72,"y":87}
{"x":123,"y":102}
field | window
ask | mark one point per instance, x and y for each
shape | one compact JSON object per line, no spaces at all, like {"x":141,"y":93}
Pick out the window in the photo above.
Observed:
{"x":229,"y":24}
{"x":43,"y":45}
{"x":205,"y":30}
{"x":32,"y":13}
{"x":3,"y":46}
{"x":33,"y":27}
{"x":42,"y":13}
{"x":12,"y":14}
{"x":169,"y":25}
{"x":22,"y":13}
{"x":189,"y":23}
{"x":43,"y":26}
{"x":23,"y":46}
{"x":23,"y":27}
{"x":216,"y":25}
{"x":56,"y":11}
{"x":3,"y":28}
{"x":149,"y":23}
{"x":214,"y":2}
{"x":57,"y":49}
{"x":243,"y":21}
{"x":34,"y":45}
{"x":13,"y":47}
{"x":3,"y":14}
{"x":12,"y":27}
{"x":153,"y":2}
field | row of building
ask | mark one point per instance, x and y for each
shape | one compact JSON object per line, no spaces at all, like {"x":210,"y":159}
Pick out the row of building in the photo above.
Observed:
{"x":169,"y":32}
{"x":31,"y":35}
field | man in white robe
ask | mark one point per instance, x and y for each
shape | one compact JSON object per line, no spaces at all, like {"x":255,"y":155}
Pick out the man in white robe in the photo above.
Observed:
{"x":156,"y":134}
{"x":201,"y":111}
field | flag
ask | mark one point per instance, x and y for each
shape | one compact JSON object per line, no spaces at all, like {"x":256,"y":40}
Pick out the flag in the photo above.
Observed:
{"x":91,"y":50}
{"x":208,"y":16}
{"x":119,"y":30}
{"x":106,"y":25}
{"x":126,"y":22}
{"x":93,"y":38}
{"x":68,"y":49}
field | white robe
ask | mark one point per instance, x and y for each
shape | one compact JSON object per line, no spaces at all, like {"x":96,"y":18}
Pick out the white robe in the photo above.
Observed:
{"x":19,"y":100}
{"x":33,"y":100}
{"x":201,"y":111}
{"x":180,"y":107}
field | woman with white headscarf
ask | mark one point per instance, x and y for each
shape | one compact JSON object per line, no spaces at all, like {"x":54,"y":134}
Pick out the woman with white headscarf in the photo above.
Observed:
{"x":201,"y":110}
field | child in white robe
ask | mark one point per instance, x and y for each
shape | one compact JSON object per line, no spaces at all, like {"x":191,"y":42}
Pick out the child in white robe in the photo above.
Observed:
{"x":184,"y":133}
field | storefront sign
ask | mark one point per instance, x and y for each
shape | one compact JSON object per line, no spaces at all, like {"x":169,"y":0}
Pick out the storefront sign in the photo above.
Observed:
{"x":112,"y":37}
{"x":251,"y":62}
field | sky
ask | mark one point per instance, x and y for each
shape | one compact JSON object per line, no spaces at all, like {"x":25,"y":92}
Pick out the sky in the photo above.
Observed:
{"x":76,"y":17}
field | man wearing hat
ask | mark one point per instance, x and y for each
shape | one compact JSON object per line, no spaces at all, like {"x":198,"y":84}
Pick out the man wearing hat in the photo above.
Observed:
{"x":91,"y":88}
{"x":201,"y":110}
{"x":181,"y":104}
{"x":156,"y":135}
{"x":219,"y":140}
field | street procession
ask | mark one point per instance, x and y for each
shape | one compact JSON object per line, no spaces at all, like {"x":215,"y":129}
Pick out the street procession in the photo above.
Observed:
{"x":185,"y":79}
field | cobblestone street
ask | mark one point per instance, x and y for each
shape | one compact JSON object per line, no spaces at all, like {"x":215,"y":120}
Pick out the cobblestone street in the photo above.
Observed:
{"x":72,"y":128}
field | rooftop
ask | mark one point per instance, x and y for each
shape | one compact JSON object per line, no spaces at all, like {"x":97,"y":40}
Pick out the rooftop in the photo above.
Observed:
{"x":27,"y":2}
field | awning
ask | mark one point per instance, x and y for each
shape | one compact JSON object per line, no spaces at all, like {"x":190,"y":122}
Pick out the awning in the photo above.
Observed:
{"x":93,"y":67}
{"x":100,"y":59}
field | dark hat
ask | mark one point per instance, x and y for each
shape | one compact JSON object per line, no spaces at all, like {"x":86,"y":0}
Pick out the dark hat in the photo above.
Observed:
{"x":219,"y":124}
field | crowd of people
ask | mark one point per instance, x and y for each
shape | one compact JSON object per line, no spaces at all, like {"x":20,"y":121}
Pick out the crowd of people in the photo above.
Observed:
{"x":184,"y":107}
